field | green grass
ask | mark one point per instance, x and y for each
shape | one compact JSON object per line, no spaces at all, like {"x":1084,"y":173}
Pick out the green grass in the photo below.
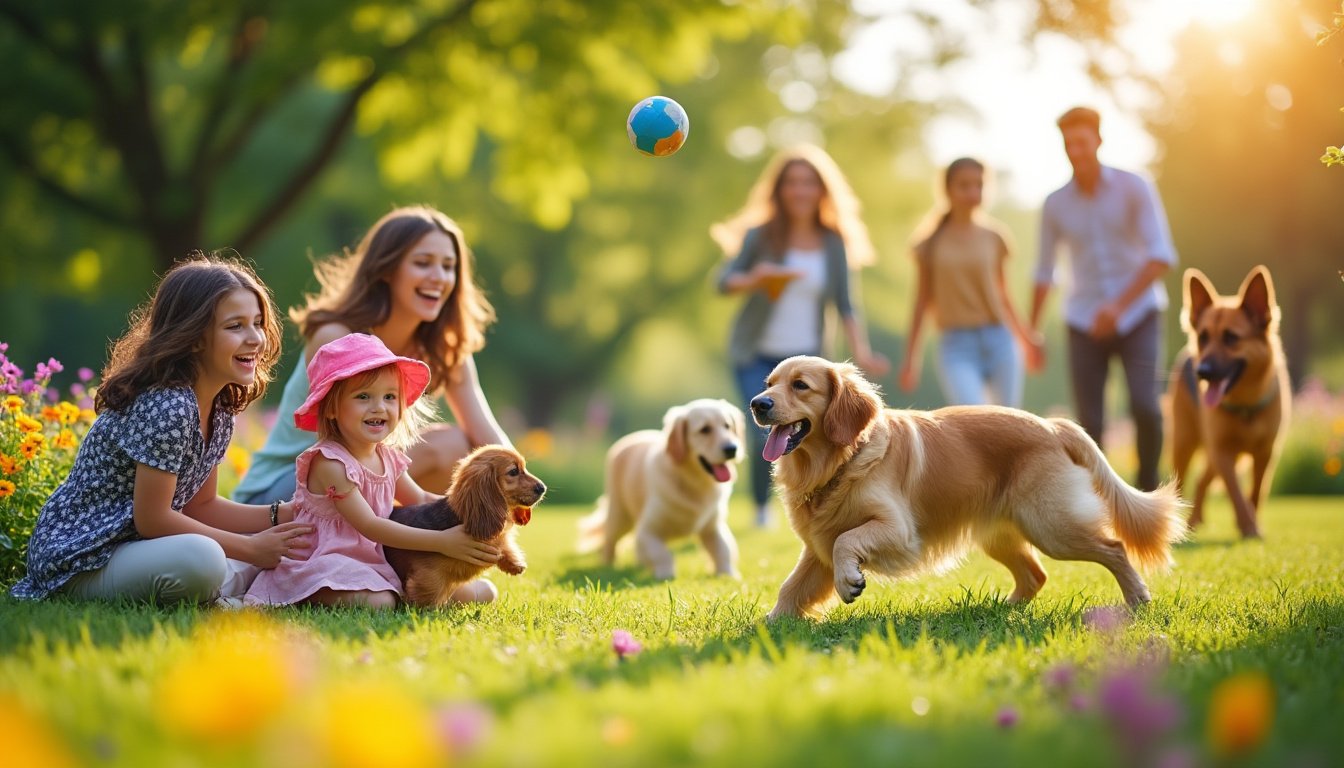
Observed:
{"x":913,"y":673}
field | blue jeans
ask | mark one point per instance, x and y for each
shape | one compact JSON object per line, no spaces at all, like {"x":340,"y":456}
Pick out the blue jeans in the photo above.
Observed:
{"x":980,"y":365}
{"x":751,"y":382}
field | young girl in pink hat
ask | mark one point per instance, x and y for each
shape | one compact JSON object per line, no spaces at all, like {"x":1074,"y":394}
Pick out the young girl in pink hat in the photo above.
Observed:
{"x":362,"y":402}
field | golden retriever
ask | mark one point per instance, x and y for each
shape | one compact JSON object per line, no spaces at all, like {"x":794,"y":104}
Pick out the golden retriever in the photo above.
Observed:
{"x":669,"y":484}
{"x":491,"y":492}
{"x":897,"y":492}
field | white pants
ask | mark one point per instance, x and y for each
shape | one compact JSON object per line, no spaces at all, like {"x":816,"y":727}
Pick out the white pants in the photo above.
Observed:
{"x":187,"y":567}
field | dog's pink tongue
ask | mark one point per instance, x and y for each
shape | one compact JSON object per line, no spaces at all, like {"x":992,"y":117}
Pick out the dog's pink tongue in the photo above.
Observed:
{"x":775,"y":443}
{"x":1213,"y":394}
{"x":721,"y":472}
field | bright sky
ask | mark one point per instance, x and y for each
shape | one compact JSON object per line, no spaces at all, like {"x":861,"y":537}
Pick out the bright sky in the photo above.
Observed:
{"x":1018,"y":95}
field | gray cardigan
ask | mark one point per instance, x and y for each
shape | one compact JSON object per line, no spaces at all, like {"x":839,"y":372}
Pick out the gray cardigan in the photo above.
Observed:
{"x":750,"y":322}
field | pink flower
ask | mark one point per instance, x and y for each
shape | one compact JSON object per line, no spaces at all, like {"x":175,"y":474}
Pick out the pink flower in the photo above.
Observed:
{"x":624,"y":644}
{"x":1061,"y":678}
{"x":1139,"y":715}
{"x":1106,"y":619}
{"x":464,"y":726}
{"x":85,"y":374}
{"x":1006,"y":718}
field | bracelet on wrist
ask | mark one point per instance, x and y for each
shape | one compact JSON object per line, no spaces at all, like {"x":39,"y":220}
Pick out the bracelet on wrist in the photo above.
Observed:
{"x":275,"y":513}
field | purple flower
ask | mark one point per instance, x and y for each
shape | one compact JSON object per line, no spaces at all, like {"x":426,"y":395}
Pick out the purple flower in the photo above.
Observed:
{"x":1137,"y":714}
{"x":1106,"y":619}
{"x":624,"y":644}
{"x":1006,"y":718}
{"x":77,"y":390}
{"x":11,"y":371}
{"x":53,"y":394}
{"x":27,"y":387}
{"x":464,"y":726}
{"x":1061,"y":678}
{"x":85,"y":374}
{"x":4,"y":346}
{"x":45,"y":370}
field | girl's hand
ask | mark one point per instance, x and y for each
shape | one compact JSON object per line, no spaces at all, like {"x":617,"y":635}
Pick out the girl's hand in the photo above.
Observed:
{"x":1034,"y":351}
{"x":455,"y":543}
{"x":909,"y":378}
{"x":274,"y":544}
{"x":875,"y":363}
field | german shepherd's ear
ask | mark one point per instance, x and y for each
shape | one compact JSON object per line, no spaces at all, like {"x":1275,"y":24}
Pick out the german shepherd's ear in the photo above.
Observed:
{"x":1257,"y":297}
{"x":675,"y":425}
{"x":477,"y":498}
{"x":1199,"y":294}
{"x":854,"y":405}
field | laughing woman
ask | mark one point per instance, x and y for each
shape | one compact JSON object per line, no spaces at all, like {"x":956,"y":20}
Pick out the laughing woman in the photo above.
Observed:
{"x":409,"y":282}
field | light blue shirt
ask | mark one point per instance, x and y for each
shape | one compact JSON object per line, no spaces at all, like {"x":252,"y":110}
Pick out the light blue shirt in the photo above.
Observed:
{"x":1110,"y":236}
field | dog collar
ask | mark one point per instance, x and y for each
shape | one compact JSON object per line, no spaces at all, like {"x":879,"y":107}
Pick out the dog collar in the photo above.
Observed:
{"x":1247,"y":411}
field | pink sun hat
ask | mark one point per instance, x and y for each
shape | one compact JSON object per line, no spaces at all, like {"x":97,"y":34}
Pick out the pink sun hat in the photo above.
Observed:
{"x":347,"y":356}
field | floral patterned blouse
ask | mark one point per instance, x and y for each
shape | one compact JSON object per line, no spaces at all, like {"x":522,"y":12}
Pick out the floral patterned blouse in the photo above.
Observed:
{"x":91,"y":512}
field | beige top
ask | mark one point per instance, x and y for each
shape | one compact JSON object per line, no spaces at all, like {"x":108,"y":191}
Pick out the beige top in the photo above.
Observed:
{"x":963,"y":267}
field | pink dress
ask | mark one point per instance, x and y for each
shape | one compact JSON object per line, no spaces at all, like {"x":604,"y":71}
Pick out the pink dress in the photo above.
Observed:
{"x":342,"y":559}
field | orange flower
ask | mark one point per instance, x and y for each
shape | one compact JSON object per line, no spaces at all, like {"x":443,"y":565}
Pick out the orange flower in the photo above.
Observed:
{"x":13,"y":403}
{"x":9,"y":465}
{"x":1241,"y":712}
{"x":28,"y":739}
{"x":51,"y":413}
{"x":27,"y":423}
{"x":6,"y":488}
{"x":65,"y":440}
{"x":1333,"y":465}
{"x":29,"y":450}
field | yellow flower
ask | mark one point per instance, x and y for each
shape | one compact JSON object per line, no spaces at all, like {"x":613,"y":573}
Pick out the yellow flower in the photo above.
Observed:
{"x":236,"y":676}
{"x":27,"y":423}
{"x":28,"y":739}
{"x":1333,"y":465}
{"x":239,"y":459}
{"x":88,"y":415}
{"x":6,"y":488}
{"x":375,"y":724}
{"x":51,"y":413}
{"x":9,"y":465}
{"x":30,"y":450}
{"x":1241,"y":712}
{"x":65,"y":440}
{"x":536,"y":443}
{"x":13,"y":403}
{"x":69,"y":413}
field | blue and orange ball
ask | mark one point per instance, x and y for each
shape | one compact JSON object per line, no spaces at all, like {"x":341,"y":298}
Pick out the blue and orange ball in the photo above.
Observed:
{"x":658,"y":126}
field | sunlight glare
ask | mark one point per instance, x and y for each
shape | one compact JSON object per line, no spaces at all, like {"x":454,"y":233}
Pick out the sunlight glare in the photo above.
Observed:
{"x":1213,"y":13}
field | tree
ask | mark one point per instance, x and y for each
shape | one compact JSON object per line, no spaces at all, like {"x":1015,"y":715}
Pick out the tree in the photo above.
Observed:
{"x":1241,"y":105}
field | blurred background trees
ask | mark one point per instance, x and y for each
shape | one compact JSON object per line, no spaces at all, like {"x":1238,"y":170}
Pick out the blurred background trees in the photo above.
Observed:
{"x":137,"y":130}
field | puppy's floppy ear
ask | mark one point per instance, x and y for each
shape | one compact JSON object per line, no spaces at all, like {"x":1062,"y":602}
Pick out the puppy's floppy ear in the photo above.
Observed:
{"x":739,"y":421}
{"x":854,"y":404}
{"x":1257,"y":298}
{"x":674,"y":424}
{"x":477,"y":498}
{"x":1199,"y":293}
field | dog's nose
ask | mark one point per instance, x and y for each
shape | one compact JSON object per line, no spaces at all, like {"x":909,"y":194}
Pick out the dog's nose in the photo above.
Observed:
{"x":539,"y":488}
{"x":730,"y":451}
{"x":761,"y":405}
{"x":1207,"y":369}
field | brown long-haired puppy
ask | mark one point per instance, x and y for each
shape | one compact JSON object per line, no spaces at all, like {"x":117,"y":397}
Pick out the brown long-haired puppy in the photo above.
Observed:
{"x":897,"y":492}
{"x":490,"y":493}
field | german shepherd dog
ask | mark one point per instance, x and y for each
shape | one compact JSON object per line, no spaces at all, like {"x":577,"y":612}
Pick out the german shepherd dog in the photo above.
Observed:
{"x":1229,"y":391}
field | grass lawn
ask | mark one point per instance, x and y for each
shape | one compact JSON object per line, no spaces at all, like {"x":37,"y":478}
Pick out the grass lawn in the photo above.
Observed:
{"x":937,"y":671}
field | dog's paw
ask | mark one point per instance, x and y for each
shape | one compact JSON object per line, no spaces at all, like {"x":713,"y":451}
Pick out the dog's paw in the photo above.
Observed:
{"x":512,"y":567}
{"x":850,"y":586}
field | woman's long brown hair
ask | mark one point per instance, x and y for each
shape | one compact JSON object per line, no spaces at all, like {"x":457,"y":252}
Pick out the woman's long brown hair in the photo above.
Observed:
{"x":163,"y":346}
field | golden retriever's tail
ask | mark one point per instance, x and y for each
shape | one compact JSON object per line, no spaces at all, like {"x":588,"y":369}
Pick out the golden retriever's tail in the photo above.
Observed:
{"x":592,"y":527}
{"x":1148,"y":523}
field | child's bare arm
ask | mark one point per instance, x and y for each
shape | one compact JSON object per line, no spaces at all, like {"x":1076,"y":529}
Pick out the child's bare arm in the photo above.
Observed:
{"x":327,"y":476}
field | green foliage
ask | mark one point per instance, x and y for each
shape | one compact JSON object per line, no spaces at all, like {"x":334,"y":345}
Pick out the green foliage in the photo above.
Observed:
{"x":920,"y":671}
{"x":38,"y":442}
{"x":1333,"y":155}
{"x":1312,"y":461}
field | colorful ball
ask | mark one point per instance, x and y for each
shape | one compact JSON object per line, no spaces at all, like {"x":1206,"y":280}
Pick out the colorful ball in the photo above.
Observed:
{"x":658,"y":126}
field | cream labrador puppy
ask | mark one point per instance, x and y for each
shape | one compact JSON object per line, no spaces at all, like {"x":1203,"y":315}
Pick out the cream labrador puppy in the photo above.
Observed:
{"x":670,"y":484}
